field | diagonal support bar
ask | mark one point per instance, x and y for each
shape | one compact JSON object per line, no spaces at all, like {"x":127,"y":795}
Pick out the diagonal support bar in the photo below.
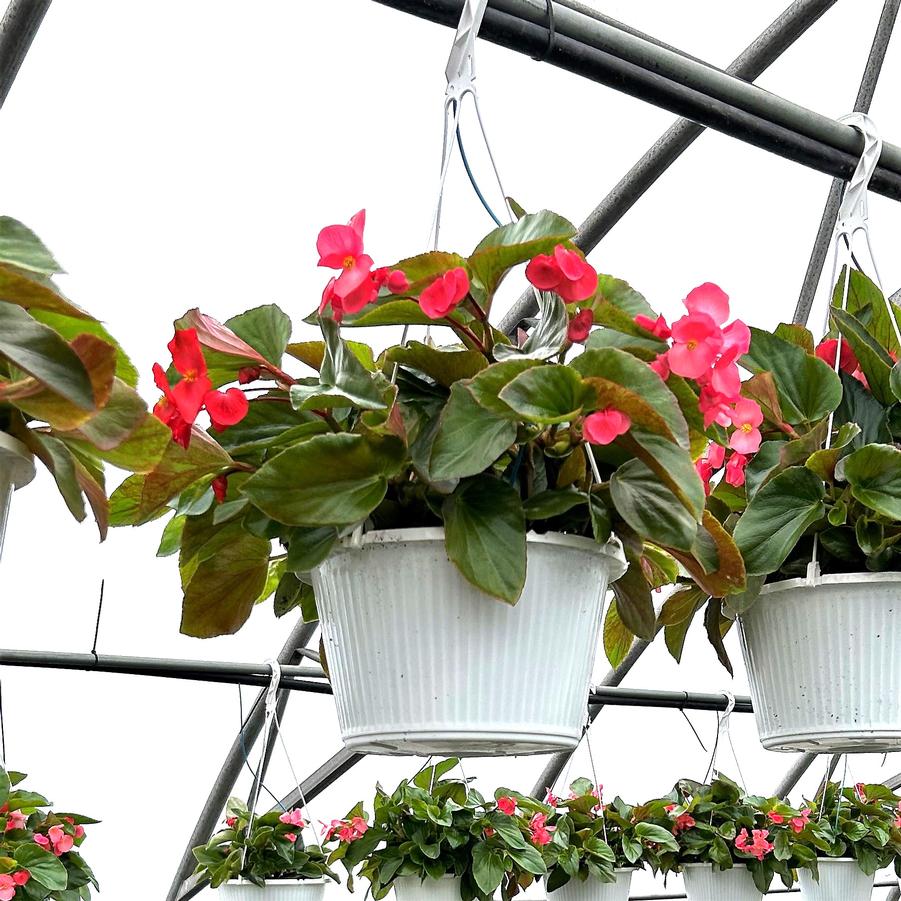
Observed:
{"x":18,"y":27}
{"x":749,"y":65}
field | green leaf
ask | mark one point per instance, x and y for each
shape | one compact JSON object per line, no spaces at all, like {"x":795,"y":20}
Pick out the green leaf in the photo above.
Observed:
{"x":896,"y":381}
{"x":858,"y":406}
{"x":867,"y":303}
{"x":267,"y":329}
{"x":650,"y":832}
{"x":518,"y":242}
{"x":269,"y":424}
{"x":487,"y":385}
{"x":823,"y":462}
{"x":875,"y":363}
{"x":42,"y":353}
{"x":141,"y":452}
{"x":795,"y":334}
{"x":20,"y":246}
{"x":777,"y":517}
{"x":313,"y":352}
{"x":546,"y":338}
{"x":392,"y":312}
{"x":617,"y":637}
{"x":485,"y":536}
{"x":547,"y":504}
{"x":223,"y":571}
{"x":307,"y":548}
{"x":469,"y":437}
{"x":54,"y":454}
{"x":120,"y":417}
{"x":46,"y":869}
{"x":681,"y":605}
{"x":633,"y":602}
{"x":344,"y":381}
{"x":487,"y":868}
{"x":874,"y":474}
{"x":651,"y":508}
{"x":547,"y":394}
{"x":170,"y":541}
{"x":714,"y":624}
{"x":529,"y":859}
{"x":444,"y":365}
{"x":808,"y":387}
{"x":33,"y":291}
{"x":334,"y":479}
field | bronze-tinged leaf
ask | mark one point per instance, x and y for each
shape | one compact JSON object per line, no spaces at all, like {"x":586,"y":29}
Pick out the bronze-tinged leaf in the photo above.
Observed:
{"x":762,"y":388}
{"x":730,"y":574}
{"x":617,"y":637}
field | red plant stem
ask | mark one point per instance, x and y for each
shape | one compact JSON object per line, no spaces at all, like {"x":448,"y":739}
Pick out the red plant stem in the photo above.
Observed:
{"x":459,"y":327}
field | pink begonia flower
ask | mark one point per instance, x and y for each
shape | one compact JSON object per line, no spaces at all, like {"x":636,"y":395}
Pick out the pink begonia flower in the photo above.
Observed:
{"x":220,"y":488}
{"x":776,"y":818}
{"x":579,"y":327}
{"x":359,"y":826}
{"x":709,"y":300}
{"x":248,"y":374}
{"x":7,"y":887}
{"x":61,"y":839}
{"x":230,"y":822}
{"x":341,"y":247}
{"x":746,"y":417}
{"x":826,"y":350}
{"x":736,"y":338}
{"x":716,"y":454}
{"x":21,"y":877}
{"x":551,"y":799}
{"x":395,"y":279}
{"x":705,"y":471}
{"x":506,"y":805}
{"x":697,"y":341}
{"x":605,"y":426}
{"x":566,"y":272}
{"x":15,"y":819}
{"x":292,"y":818}
{"x":539,"y":831}
{"x":735,"y":470}
{"x":657,"y":327}
{"x":798,"y":823}
{"x":661,"y":366}
{"x":41,"y":840}
{"x":489,"y":832}
{"x":445,"y":293}
{"x":860,"y":792}
{"x":715,"y":407}
{"x":725,"y":378}
{"x":290,"y":836}
{"x":79,"y":831}
{"x":682,"y":821}
{"x":759,"y":847}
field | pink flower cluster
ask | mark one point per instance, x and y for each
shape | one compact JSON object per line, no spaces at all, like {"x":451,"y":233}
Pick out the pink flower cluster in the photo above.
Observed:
{"x":57,"y":839}
{"x":712,"y":462}
{"x":756,"y":844}
{"x":292,"y":818}
{"x":341,"y":247}
{"x":15,"y":819}
{"x":9,"y":882}
{"x":706,"y":350}
{"x":346,"y":830}
{"x":506,"y":805}
{"x":682,"y":821}
{"x":540,"y":834}
{"x":797,"y":823}
{"x":605,"y":426}
{"x":565,"y":272}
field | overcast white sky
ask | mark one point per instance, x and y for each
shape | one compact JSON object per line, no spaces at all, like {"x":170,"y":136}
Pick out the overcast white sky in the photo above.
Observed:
{"x":186,"y":152}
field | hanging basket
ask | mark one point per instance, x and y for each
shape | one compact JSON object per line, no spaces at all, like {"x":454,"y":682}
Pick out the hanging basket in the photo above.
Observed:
{"x":823,"y":663}
{"x":412,"y":888}
{"x":275,"y":890}
{"x":841,"y":879}
{"x":704,"y":883}
{"x":592,"y":889}
{"x":421,"y":662}
{"x":16,"y":470}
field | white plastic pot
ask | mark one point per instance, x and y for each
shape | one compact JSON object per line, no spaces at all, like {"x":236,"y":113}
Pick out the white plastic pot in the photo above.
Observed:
{"x":16,"y":470}
{"x":823,"y":663}
{"x":412,"y":888}
{"x":840,"y":880}
{"x":275,"y":890}
{"x":704,"y":883}
{"x":595,"y":890}
{"x":421,"y":662}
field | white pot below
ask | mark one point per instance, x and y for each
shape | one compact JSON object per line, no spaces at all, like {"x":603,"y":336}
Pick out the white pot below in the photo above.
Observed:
{"x":16,"y":470}
{"x":412,"y":888}
{"x":840,"y":880}
{"x":275,"y":890}
{"x":703,"y":883}
{"x":594,"y":890}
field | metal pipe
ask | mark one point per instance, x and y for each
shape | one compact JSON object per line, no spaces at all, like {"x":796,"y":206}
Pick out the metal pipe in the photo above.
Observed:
{"x":674,"y":700}
{"x":18,"y":27}
{"x":755,"y":59}
{"x":794,"y":774}
{"x":862,"y":104}
{"x":300,"y":637}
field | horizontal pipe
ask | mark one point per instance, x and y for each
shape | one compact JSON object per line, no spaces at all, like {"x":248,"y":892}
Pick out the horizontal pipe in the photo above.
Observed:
{"x":678,"y":700}
{"x":809,"y":139}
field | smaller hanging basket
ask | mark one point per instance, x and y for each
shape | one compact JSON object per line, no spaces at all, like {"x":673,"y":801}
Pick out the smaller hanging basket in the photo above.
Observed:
{"x":841,"y":879}
{"x":823,"y":663}
{"x":421,"y":662}
{"x":704,"y":883}
{"x":592,"y":889}
{"x":275,"y":890}
{"x":16,"y":470}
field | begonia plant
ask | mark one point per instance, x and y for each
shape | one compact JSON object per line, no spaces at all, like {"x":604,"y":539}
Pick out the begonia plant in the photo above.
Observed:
{"x":260,"y":848}
{"x":39,"y":849}
{"x":458,"y":426}
{"x":431,"y":827}
{"x":67,"y":389}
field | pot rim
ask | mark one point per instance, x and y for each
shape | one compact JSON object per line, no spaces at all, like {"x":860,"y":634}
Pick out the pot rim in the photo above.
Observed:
{"x":709,"y":866}
{"x":612,"y":549}
{"x":322,"y":880}
{"x":861,"y":578}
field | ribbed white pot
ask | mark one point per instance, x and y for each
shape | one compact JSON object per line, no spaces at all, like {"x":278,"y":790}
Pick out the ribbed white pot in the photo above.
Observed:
{"x":275,"y":890}
{"x":704,"y":883}
{"x":16,"y":470}
{"x":594,"y":890}
{"x":840,"y":880}
{"x":823,"y":663}
{"x":421,"y":662}
{"x":412,"y":888}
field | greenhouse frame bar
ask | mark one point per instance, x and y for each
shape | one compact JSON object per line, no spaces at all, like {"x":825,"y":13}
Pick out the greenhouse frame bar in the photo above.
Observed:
{"x":569,"y":35}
